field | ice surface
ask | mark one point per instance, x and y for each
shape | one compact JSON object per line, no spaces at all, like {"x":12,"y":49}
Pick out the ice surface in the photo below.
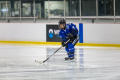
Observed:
{"x":17,"y":62}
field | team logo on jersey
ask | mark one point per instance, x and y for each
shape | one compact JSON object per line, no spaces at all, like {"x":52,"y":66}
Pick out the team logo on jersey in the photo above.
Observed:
{"x":50,"y":34}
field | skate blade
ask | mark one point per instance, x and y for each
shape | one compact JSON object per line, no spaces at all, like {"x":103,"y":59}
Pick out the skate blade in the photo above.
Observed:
{"x":68,"y":61}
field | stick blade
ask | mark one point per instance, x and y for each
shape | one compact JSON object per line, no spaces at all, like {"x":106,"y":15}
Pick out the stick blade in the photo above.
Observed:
{"x":41,"y":62}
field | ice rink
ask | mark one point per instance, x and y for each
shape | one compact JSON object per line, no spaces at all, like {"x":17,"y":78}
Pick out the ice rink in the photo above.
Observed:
{"x":17,"y":62}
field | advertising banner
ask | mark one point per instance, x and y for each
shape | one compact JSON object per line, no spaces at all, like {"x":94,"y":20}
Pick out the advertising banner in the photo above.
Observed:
{"x":52,"y":33}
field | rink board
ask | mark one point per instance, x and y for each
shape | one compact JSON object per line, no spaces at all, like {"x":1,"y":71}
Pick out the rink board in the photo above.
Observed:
{"x":55,"y":43}
{"x":35,"y":33}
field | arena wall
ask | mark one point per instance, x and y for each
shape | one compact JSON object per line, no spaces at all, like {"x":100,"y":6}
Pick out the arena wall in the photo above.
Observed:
{"x":24,"y":31}
{"x":36,"y":32}
{"x":101,"y":33}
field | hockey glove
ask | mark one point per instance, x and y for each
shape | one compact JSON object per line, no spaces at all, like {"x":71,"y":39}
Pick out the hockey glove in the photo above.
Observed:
{"x":71,"y":37}
{"x":63,"y":43}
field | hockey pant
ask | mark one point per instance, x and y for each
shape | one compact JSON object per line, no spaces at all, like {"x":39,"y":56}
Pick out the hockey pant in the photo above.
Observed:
{"x":70,"y":47}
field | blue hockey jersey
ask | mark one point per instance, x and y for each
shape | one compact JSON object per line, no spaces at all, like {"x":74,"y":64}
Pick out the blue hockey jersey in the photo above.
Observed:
{"x":70,"y":28}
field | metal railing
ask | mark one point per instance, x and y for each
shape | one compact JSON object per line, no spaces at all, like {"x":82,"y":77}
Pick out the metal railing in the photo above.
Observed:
{"x":114,"y":17}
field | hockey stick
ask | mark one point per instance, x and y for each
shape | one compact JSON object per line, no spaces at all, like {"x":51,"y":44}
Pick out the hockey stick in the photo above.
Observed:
{"x":51,"y":55}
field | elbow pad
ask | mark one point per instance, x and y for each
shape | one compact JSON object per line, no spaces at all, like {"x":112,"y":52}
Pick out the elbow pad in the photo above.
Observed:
{"x":75,"y":31}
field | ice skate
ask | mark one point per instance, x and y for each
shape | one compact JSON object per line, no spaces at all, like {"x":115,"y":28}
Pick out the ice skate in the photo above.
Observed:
{"x":67,"y":58}
{"x":71,"y":58}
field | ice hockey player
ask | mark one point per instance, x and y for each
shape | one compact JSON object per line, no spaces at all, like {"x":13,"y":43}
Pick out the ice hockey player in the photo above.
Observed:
{"x":68,"y":31}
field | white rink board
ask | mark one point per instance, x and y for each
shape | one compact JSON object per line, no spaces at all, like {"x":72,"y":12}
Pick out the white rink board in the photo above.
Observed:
{"x":24,"y":31}
{"x":92,"y":33}
{"x":101,"y":33}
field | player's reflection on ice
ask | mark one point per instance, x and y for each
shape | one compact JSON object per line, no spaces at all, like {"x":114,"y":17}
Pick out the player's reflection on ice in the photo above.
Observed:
{"x":57,"y":61}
